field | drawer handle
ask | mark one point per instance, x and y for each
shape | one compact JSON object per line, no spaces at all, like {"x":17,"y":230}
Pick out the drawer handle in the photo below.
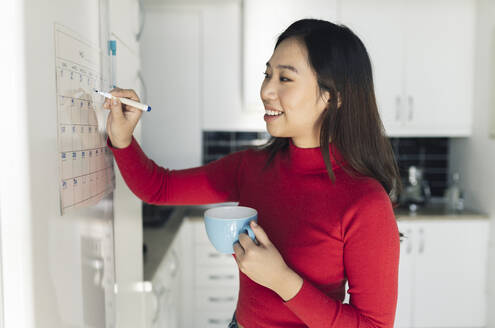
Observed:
{"x":397,"y":108}
{"x":221,"y":299}
{"x":409,"y":243}
{"x":218,"y":277}
{"x":218,"y":321}
{"x":422,"y":241}
{"x":213,"y":255}
{"x":411,"y":107}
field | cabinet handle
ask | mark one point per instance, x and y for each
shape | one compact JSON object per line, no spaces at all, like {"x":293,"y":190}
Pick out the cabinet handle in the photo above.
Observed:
{"x":214,"y":255}
{"x":217,"y":276}
{"x":218,"y":321}
{"x":220,"y":299}
{"x":397,"y":108}
{"x":158,"y":292}
{"x":99,"y":266}
{"x":421,"y":241}
{"x":157,"y":310}
{"x":409,"y":242}
{"x":411,"y":108}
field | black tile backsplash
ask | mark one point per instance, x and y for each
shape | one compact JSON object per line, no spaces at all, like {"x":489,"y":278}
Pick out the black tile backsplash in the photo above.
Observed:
{"x":219,"y":144}
{"x":429,"y":153}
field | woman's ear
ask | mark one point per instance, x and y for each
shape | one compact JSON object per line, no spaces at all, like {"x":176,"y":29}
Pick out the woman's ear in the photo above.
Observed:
{"x":326,"y":96}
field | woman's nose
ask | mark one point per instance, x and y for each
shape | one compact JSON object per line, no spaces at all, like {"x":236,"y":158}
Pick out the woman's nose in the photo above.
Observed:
{"x":268,"y":91}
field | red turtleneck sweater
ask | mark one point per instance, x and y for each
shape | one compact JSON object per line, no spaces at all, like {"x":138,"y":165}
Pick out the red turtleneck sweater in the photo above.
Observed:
{"x":327,"y":233}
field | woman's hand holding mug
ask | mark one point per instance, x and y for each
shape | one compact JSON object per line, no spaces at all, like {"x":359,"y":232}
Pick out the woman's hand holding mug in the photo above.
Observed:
{"x":123,"y":118}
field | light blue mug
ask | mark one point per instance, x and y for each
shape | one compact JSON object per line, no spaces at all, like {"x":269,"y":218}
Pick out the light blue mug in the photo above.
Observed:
{"x":225,"y":223}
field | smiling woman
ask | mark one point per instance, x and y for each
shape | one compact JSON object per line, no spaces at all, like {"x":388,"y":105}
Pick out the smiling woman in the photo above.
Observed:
{"x":322,"y":114}
{"x":320,"y":185}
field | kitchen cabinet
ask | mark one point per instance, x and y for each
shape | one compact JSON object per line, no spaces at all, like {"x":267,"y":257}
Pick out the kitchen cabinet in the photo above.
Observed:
{"x":171,"y":53}
{"x":222,"y":70}
{"x":126,"y":21}
{"x":210,"y":282}
{"x":263,"y":21}
{"x":422,"y":53}
{"x":442,"y":273}
{"x":423,"y":79}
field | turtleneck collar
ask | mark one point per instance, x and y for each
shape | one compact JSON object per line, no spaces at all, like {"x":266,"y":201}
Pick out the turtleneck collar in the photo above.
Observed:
{"x":311,"y":159}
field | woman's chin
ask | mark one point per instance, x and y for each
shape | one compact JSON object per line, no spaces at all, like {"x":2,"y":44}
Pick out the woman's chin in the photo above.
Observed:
{"x":276,"y":133}
{"x":271,"y":130}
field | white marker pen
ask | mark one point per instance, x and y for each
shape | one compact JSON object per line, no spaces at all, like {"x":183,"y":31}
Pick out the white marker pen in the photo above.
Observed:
{"x":130,"y":102}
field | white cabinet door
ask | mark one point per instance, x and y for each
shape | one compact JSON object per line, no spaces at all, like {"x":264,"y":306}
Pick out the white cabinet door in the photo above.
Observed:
{"x":403,"y":316}
{"x":379,"y":25}
{"x":449,"y":279}
{"x":440,"y":41}
{"x":422,"y":54}
{"x":263,"y":21}
{"x":222,"y":70}
{"x":171,"y":57}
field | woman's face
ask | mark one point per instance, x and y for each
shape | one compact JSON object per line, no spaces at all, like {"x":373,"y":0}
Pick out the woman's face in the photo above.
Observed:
{"x":290,"y":86}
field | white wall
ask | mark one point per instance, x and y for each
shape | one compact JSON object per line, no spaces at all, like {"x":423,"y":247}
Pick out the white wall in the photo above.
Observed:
{"x":474,"y":157}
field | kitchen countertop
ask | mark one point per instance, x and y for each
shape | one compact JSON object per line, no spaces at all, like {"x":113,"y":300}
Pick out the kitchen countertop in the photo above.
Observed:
{"x":437,"y":212}
{"x":159,"y":239}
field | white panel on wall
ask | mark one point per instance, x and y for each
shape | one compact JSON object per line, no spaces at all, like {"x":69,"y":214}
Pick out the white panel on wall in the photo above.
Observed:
{"x":59,"y":267}
{"x":171,"y":54}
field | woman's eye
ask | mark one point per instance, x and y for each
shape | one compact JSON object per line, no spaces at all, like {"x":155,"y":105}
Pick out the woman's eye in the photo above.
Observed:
{"x":283,"y":79}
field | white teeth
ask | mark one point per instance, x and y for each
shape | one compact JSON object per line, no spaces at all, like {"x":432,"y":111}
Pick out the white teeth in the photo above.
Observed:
{"x":270,"y":112}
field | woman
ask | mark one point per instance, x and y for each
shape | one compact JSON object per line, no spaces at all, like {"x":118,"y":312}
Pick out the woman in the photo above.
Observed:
{"x":321,"y":186}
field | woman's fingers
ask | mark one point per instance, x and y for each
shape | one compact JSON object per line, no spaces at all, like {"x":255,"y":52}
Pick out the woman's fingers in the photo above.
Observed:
{"x":125,"y":93}
{"x":121,"y":93}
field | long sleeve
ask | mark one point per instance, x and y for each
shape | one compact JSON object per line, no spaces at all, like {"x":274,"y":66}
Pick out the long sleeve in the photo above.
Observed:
{"x":216,"y":182}
{"x":371,"y":259}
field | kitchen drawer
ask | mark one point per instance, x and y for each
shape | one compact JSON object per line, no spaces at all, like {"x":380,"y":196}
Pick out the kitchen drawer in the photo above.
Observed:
{"x":216,"y":277}
{"x":216,"y":299}
{"x":213,"y":319}
{"x":207,"y":255}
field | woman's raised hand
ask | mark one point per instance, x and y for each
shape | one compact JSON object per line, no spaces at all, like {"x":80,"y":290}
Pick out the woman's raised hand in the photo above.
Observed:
{"x":123,"y":118}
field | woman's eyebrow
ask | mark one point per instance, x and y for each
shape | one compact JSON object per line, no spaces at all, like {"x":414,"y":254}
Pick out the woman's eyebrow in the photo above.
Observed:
{"x":289,"y":67}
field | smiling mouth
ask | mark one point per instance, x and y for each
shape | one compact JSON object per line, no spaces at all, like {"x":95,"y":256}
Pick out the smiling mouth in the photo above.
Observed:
{"x":273,"y":112}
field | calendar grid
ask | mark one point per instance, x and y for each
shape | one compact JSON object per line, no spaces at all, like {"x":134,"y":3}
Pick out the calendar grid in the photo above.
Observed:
{"x":86,"y":170}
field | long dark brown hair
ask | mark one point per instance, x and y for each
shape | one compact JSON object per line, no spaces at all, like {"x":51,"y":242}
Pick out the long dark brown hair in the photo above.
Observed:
{"x":343,"y":68}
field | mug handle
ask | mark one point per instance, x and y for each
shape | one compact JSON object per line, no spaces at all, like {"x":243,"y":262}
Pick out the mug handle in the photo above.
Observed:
{"x":250,"y":231}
